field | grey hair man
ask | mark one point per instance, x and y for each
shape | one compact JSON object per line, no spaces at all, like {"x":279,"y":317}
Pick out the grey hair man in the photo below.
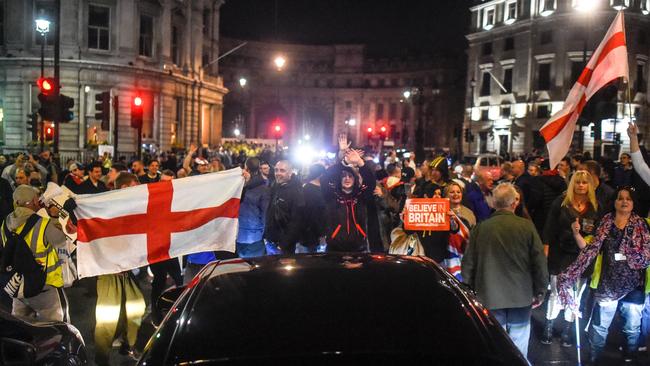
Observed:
{"x":506,"y":265}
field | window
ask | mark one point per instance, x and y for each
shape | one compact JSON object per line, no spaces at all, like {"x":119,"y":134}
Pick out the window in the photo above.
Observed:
{"x":619,"y":4}
{"x":505,"y":112}
{"x":45,"y":10}
{"x":485,"y":114}
{"x":348,"y":104}
{"x":640,"y":78}
{"x":486,"y":49}
{"x":645,"y":7}
{"x":392,"y":111}
{"x":146,"y":36}
{"x":488,"y":18}
{"x":511,"y":12}
{"x":547,"y":7}
{"x":507,"y":80}
{"x":2,"y":23}
{"x":546,"y":37}
{"x":485,"y":84}
{"x":576,"y":70}
{"x":99,"y":27}
{"x":206,"y":21}
{"x":544,"y":77}
{"x":177,"y":126}
{"x":176,"y":54}
{"x":382,"y":83}
{"x":380,"y":111}
{"x":509,"y":44}
{"x":543,"y":111}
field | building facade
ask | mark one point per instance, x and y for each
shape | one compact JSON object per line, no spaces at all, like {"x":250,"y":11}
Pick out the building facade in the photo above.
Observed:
{"x":324,"y":90}
{"x":525,"y":55}
{"x":154,"y":49}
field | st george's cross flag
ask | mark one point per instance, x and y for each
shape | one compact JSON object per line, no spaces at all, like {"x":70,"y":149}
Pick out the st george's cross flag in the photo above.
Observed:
{"x":132,"y":227}
{"x":608,"y":63}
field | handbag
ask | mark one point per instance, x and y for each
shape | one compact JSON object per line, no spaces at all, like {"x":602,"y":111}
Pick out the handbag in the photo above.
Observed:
{"x":405,"y":244}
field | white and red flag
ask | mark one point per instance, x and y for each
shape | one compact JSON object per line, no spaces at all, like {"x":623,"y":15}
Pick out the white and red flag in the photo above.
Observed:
{"x":133,"y":227}
{"x":608,"y":63}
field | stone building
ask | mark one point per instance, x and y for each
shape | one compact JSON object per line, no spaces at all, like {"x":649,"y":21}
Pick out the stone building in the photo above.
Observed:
{"x":323,"y":90}
{"x":536,"y":50}
{"x":152,"y":48}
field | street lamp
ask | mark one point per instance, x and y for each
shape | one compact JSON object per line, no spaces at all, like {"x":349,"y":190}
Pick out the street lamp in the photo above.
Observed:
{"x":236,"y":132}
{"x":307,"y":137}
{"x":279,"y":62}
{"x":406,"y":94}
{"x":42,"y":27}
{"x":585,"y":5}
{"x":242,"y":82}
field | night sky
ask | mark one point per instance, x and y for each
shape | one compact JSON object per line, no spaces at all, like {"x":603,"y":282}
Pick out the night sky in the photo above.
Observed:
{"x":390,"y":28}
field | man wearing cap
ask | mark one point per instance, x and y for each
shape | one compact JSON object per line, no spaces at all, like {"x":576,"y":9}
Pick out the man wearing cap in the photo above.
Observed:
{"x":201,"y":166}
{"x":43,"y":240}
{"x":74,"y":179}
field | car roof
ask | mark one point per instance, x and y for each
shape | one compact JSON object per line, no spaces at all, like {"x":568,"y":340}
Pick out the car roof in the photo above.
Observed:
{"x":346,"y":303}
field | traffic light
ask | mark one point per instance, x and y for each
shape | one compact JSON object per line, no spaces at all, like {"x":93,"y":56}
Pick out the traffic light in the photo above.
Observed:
{"x":47,"y":86}
{"x":103,"y":109}
{"x":369,"y":131}
{"x":32,"y":125}
{"x":49,"y":132}
{"x":48,"y":97}
{"x":467,"y":135}
{"x":65,"y":103}
{"x":383,"y":132}
{"x":277,"y":129}
{"x":136,"y":112}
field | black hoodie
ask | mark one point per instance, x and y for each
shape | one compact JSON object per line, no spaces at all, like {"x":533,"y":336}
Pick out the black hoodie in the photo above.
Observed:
{"x":283,"y":217}
{"x":347,"y":212}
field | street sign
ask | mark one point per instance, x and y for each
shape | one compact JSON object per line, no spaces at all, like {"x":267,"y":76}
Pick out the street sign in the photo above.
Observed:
{"x":426,"y":214}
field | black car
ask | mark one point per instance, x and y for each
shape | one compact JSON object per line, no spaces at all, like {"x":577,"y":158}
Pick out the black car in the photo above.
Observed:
{"x":43,"y":343}
{"x":347,"y":309}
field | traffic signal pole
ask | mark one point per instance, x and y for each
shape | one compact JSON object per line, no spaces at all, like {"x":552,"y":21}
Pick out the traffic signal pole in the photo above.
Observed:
{"x":57,"y":43}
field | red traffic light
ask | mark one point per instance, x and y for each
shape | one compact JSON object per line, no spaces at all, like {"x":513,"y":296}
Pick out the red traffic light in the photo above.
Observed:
{"x":47,"y":85}
{"x":137,"y":101}
{"x":277,"y":128}
{"x":369,"y":129}
{"x":383,"y":128}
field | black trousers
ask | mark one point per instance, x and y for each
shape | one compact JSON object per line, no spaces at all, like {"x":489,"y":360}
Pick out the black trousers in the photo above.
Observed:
{"x":160,"y":271}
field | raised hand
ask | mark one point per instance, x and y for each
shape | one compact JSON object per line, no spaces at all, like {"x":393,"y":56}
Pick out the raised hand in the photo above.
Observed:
{"x":344,"y":144}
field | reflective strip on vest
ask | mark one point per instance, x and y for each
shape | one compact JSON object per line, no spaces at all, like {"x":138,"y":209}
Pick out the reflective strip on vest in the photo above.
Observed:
{"x":46,"y":256}
{"x":595,"y":277}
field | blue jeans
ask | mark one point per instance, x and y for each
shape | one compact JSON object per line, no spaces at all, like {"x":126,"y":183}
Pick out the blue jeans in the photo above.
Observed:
{"x":516,"y":322}
{"x":645,"y":323}
{"x":249,"y":250}
{"x":602,"y":319}
{"x":272,"y":248}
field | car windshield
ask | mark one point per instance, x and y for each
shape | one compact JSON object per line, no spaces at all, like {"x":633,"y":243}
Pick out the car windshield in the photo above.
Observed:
{"x":355,"y":309}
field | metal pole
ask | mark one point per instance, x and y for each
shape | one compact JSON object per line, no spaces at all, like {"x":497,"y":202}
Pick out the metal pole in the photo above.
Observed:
{"x":139,"y":148}
{"x":43,"y":42}
{"x":419,"y":132}
{"x":116,"y":124}
{"x":57,"y":78}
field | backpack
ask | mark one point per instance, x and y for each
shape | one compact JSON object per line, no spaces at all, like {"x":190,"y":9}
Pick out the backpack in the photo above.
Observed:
{"x":26,"y":275}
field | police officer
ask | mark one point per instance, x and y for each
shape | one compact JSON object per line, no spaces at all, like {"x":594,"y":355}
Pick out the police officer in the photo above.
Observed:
{"x":43,"y":240}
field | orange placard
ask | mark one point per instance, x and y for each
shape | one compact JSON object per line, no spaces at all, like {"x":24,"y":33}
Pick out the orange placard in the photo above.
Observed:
{"x":426,"y":214}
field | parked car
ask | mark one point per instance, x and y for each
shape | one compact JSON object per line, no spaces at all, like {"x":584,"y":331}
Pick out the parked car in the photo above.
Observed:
{"x":50,"y":343}
{"x":334,"y":309}
{"x":489,"y":162}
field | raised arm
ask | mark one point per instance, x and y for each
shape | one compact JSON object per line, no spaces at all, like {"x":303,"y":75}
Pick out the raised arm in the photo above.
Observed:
{"x":640,"y":166}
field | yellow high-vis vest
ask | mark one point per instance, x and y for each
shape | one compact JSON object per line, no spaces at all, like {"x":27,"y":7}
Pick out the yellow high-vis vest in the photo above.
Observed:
{"x":45,"y":255}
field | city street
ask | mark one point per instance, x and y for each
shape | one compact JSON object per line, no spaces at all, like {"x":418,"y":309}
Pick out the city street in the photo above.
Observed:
{"x":82,"y":315}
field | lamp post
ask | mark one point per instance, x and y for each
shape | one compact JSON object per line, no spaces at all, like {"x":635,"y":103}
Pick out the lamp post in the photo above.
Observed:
{"x":42,"y":27}
{"x":472,"y":85}
{"x":415,"y":94}
{"x":586,"y":7}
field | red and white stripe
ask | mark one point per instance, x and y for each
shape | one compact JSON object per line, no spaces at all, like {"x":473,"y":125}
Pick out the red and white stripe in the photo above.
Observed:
{"x":608,"y":63}
{"x":132,"y":227}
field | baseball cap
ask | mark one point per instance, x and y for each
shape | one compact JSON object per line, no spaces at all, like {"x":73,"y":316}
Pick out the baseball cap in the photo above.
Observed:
{"x":201,"y":161}
{"x":75,"y":166}
{"x":25,"y":193}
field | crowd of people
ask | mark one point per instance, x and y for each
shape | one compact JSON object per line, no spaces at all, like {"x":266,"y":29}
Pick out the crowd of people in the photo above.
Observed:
{"x":577,"y":231}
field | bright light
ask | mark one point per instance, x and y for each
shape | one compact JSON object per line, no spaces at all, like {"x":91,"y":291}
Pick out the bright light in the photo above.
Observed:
{"x":46,"y":85}
{"x":277,"y":128}
{"x":87,"y":89}
{"x":331,"y":155}
{"x":369,"y":129}
{"x":322,"y":154}
{"x":383,"y":128}
{"x":279,"y":62}
{"x":305,"y":154}
{"x":307,"y":137}
{"x":352,"y":122}
{"x":237,"y":132}
{"x":137,"y":101}
{"x":242,"y":82}
{"x":585,"y":5}
{"x":406,"y":94}
{"x":42,"y":26}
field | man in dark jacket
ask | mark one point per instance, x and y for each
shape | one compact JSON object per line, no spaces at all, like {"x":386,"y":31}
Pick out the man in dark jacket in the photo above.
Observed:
{"x":252,"y":211}
{"x":284,"y":215}
{"x":552,"y":185}
{"x":506,"y":265}
{"x":347,"y":189}
{"x":314,"y":215}
{"x":93,"y":184}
